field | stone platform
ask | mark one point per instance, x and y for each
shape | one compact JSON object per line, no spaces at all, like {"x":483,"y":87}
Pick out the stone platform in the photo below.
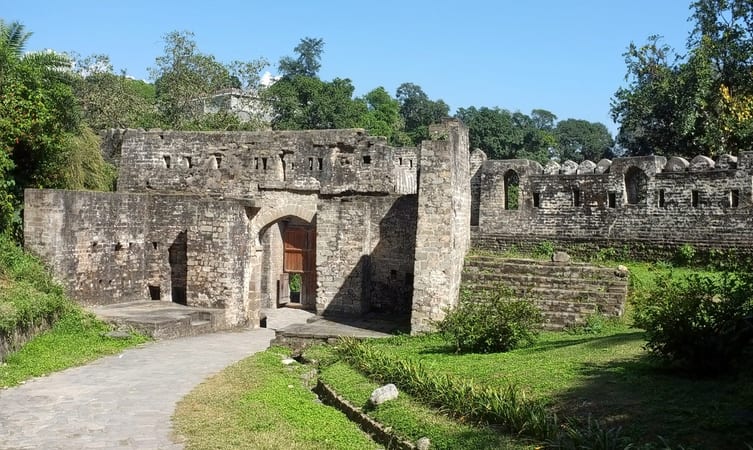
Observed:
{"x":327,"y":329}
{"x":161,"y":320}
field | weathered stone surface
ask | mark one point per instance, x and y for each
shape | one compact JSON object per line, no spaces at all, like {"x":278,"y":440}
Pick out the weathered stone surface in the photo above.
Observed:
{"x":586,"y":167}
{"x":423,"y":444}
{"x":552,"y":168}
{"x":383,"y":394}
{"x":726,"y":162}
{"x":603,"y":166}
{"x":569,"y":168}
{"x":677,"y":164}
{"x":622,"y":271}
{"x":701,"y":163}
{"x":560,"y":257}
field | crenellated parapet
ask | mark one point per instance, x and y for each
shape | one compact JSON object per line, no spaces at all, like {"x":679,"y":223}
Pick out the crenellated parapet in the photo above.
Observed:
{"x":635,"y":199}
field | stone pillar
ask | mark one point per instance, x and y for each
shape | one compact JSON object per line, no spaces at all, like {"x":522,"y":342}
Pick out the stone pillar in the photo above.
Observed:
{"x":442,"y":232}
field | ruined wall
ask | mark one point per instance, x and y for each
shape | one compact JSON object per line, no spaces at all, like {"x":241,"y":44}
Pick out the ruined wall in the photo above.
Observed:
{"x":641,"y":202}
{"x":239,"y":164}
{"x":112,"y":247}
{"x":365,"y":254}
{"x":442,"y":231}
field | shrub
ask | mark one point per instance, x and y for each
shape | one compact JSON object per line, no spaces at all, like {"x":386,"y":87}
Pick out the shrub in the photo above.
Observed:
{"x":700,"y":323}
{"x":491,"y":322}
{"x":544,"y":249}
{"x":686,"y":254}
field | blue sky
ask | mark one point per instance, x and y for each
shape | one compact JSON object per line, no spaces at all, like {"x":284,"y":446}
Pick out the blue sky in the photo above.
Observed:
{"x":563,"y":56}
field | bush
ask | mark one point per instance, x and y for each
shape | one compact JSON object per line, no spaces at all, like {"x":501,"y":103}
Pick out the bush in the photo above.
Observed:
{"x":700,"y":323}
{"x":491,"y":322}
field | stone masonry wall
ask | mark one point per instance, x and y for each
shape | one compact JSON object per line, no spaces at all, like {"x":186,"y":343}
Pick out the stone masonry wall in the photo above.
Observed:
{"x":442,"y":231}
{"x":365,"y":254}
{"x":111,"y":248}
{"x":648,"y":201}
{"x":238,"y":164}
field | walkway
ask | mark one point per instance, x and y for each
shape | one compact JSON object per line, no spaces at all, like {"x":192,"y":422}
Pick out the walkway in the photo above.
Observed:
{"x":122,"y":401}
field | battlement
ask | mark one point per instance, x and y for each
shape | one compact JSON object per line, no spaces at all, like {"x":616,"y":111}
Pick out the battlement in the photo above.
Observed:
{"x":238,"y":165}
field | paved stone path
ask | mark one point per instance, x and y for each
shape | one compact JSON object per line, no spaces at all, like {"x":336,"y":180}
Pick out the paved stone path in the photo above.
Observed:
{"x":121,"y":401}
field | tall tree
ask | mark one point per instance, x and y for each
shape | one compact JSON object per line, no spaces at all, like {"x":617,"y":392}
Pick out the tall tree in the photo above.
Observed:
{"x":308,"y":61}
{"x":184,"y":76}
{"x":696,"y":104}
{"x":580,"y":139}
{"x":110,"y":100}
{"x":418,"y":111}
{"x":39,"y":126}
{"x":382,"y":117}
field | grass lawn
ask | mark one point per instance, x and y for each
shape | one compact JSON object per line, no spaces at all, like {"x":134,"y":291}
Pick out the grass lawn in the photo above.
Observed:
{"x":259,"y":403}
{"x":75,"y":339}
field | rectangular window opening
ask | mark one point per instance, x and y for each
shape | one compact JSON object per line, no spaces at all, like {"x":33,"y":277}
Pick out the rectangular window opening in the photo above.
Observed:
{"x":218,"y":158}
{"x":694,"y":199}
{"x":536,"y":200}
{"x":319,"y":162}
{"x":400,"y":160}
{"x":734,"y":198}
{"x":367,"y":159}
{"x":166,"y":158}
{"x":154,"y":292}
{"x":661,"y":198}
{"x":311,"y":163}
{"x":189,"y":162}
{"x":256,"y":163}
{"x":612,"y":199}
{"x":576,"y":197}
{"x":264,"y":164}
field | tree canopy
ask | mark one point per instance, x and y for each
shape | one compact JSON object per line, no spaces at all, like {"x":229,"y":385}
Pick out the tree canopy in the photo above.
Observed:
{"x":697,"y":103}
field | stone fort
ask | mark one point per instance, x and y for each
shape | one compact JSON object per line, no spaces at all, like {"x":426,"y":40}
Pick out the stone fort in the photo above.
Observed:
{"x":225,"y":220}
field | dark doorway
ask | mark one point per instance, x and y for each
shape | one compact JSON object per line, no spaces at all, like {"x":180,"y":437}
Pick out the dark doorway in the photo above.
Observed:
{"x":177,"y":256}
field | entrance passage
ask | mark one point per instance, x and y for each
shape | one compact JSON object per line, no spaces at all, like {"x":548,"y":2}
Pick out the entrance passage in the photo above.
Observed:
{"x":298,"y":280}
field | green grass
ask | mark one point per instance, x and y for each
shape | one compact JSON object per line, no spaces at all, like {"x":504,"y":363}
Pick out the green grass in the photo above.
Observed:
{"x":411,"y":420}
{"x":75,"y":339}
{"x":608,"y":377}
{"x":260,"y":403}
{"x":30,"y":298}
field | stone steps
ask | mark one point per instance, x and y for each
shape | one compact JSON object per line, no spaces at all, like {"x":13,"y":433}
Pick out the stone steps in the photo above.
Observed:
{"x":162,"y":320}
{"x":565,"y":292}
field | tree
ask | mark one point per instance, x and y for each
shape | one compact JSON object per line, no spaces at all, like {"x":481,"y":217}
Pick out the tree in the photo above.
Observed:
{"x":307,"y":103}
{"x":506,"y":135}
{"x":39,"y":127}
{"x":418,"y":111}
{"x":382,"y":117}
{"x":183,"y":76}
{"x":578,"y":140}
{"x":110,"y":100}
{"x":307,"y":63}
{"x":693,"y":104}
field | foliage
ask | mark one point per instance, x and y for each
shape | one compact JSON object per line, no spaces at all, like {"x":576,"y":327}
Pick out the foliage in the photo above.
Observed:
{"x":411,"y":420}
{"x":308,"y":61}
{"x":578,"y":140}
{"x":703,"y":324}
{"x":261,"y":403}
{"x":696,"y":104}
{"x":382,"y":117}
{"x":77,"y":337}
{"x":491,"y":322}
{"x":37,"y":111}
{"x":507,"y":407}
{"x":418,"y":111}
{"x":110,"y":100}
{"x":543,"y":249}
{"x":686,"y":254}
{"x":30,"y":298}
{"x":307,"y":103}
{"x":185,"y":77}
